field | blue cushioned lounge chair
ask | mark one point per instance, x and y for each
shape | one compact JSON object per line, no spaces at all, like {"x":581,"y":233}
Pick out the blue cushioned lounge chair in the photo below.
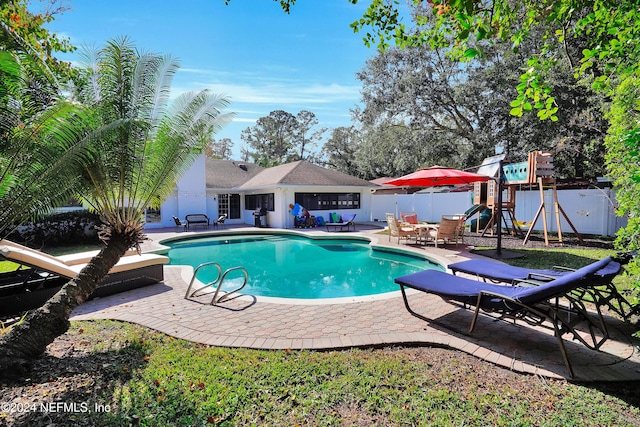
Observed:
{"x":532,"y":304}
{"x":602,"y":291}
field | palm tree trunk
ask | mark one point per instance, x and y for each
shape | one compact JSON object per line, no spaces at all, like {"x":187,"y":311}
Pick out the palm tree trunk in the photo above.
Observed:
{"x":29,"y":339}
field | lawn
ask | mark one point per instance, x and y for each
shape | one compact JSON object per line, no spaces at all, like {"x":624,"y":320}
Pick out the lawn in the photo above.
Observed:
{"x":125,"y":374}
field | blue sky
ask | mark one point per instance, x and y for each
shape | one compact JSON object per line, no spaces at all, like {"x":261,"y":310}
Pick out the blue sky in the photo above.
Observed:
{"x":250,"y":51}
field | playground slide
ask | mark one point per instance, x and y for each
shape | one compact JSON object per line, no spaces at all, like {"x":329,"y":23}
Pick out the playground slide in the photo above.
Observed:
{"x":474,"y":210}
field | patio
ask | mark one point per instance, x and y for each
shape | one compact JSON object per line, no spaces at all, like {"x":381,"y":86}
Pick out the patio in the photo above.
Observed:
{"x":363,"y":322}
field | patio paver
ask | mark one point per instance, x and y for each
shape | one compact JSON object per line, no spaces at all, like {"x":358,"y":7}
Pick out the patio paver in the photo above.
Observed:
{"x":257,"y":323}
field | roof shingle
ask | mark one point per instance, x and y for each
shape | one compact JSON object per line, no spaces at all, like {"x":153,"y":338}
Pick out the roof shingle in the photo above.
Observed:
{"x":303,"y":173}
{"x":229,"y":173}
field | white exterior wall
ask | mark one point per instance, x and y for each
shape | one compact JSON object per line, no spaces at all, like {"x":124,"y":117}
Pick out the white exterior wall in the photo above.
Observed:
{"x":188,"y":197}
{"x":192,"y":190}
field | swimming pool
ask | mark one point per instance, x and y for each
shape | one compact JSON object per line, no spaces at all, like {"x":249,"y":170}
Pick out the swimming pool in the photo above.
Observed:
{"x":291,"y":266}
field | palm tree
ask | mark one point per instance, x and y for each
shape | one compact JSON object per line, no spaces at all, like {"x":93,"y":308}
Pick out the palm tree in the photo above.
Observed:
{"x":42,"y":136}
{"x":138,"y":147}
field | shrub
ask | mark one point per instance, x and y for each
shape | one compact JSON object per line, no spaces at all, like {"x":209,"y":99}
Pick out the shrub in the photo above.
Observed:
{"x":75,"y":227}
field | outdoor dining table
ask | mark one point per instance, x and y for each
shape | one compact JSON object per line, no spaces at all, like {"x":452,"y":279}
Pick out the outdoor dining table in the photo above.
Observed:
{"x":424,"y":231}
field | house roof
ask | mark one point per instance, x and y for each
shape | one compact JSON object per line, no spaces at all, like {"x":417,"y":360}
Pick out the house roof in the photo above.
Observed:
{"x":303,"y":173}
{"x":229,"y":173}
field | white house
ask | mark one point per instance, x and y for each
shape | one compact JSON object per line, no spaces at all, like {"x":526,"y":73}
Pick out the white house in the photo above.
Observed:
{"x":216,"y":187}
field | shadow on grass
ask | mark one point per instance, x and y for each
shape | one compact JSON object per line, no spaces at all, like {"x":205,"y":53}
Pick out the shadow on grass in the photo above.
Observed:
{"x":546,"y":258}
{"x":627,"y":391}
{"x":71,"y":389}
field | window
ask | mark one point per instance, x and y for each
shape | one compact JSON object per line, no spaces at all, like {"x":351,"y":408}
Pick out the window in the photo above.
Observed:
{"x":255,"y":201}
{"x":152,"y":215}
{"x":229,"y":204}
{"x":328,"y":201}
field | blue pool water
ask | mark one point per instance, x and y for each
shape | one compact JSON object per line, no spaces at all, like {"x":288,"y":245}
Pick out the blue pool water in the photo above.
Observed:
{"x":288,"y":266}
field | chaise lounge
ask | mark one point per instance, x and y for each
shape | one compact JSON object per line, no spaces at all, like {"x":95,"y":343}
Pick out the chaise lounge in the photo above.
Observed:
{"x":532,"y":304}
{"x":603,"y":292}
{"x":30,"y":287}
{"x":346,"y":221}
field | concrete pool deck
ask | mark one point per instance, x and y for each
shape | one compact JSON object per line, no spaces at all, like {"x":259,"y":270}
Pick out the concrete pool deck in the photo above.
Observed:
{"x":262,"y":323}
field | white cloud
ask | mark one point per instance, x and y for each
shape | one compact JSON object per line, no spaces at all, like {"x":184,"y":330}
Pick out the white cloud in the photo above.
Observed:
{"x":292,"y":93}
{"x":243,"y":120}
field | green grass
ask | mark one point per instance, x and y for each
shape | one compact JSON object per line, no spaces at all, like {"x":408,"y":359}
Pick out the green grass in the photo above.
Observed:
{"x":149,"y":379}
{"x":567,"y":257}
{"x":157,"y":380}
{"x":6,"y":266}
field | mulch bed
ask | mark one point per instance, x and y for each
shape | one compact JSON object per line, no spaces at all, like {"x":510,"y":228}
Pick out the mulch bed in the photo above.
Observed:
{"x":537,"y":241}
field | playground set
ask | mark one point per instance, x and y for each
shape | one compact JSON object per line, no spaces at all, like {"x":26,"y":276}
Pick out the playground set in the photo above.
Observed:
{"x":499,"y":196}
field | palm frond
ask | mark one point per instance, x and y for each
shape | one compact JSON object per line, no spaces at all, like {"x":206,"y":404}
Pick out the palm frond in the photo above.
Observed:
{"x":180,"y":140}
{"x":141,"y":145}
{"x":152,"y":83}
{"x":31,"y":184}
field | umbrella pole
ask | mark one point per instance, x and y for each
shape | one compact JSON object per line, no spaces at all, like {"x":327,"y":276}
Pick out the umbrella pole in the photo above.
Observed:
{"x":499,"y":212}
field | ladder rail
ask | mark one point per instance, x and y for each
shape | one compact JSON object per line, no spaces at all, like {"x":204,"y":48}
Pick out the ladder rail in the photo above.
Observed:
{"x":195,"y":273}
{"x":225,"y":297}
{"x":217,"y":281}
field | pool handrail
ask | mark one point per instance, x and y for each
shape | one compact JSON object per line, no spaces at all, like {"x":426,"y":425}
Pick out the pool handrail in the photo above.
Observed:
{"x":195,"y":273}
{"x":217,"y":281}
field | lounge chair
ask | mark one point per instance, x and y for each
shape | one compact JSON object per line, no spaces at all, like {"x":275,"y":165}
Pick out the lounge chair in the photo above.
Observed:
{"x":346,"y":221}
{"x":45,"y":274}
{"x":602,"y":292}
{"x":398,"y":230}
{"x":532,"y":304}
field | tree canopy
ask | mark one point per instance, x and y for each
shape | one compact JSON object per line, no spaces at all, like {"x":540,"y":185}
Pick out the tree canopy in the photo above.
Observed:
{"x":119,"y":142}
{"x":23,"y":33}
{"x":609,"y":29}
{"x":456,"y":114}
{"x":282,"y":137}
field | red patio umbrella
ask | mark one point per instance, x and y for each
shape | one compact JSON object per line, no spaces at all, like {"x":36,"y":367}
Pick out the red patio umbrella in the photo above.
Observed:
{"x":437,"y":175}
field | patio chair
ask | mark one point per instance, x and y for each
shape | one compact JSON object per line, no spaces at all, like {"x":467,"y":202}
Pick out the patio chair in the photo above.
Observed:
{"x":409,"y":217}
{"x":179,"y":222}
{"x":450,"y":230}
{"x":398,"y":230}
{"x":532,"y":304}
{"x":220,"y":221}
{"x":603,"y":292}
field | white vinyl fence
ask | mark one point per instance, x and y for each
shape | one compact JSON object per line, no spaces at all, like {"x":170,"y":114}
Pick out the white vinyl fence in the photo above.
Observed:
{"x":591,"y":211}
